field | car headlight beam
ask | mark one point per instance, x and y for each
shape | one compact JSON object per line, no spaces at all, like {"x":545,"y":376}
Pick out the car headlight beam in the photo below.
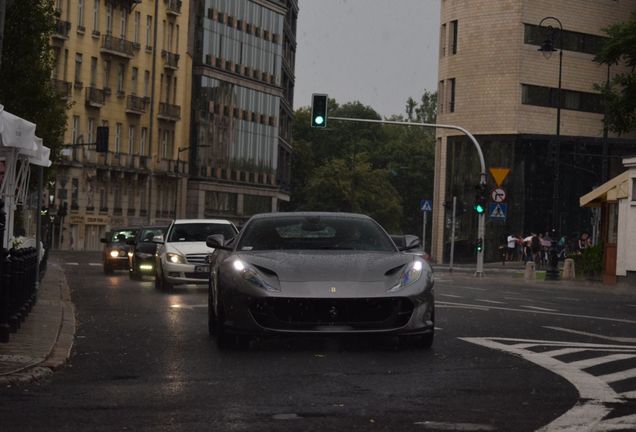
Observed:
{"x":252,"y":275}
{"x":175,"y":258}
{"x":114,"y":253}
{"x":410,"y":275}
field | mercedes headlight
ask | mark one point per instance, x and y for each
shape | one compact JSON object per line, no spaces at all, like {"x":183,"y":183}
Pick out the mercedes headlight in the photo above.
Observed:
{"x":252,"y":275}
{"x":175,"y":258}
{"x":410,"y":275}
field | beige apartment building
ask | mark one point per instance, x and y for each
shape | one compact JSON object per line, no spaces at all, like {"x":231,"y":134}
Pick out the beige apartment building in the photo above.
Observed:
{"x":494,"y":82}
{"x":122,"y":64}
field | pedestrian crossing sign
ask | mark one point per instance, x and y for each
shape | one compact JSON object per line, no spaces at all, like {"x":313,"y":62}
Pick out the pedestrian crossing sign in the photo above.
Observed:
{"x":497,"y":211}
{"x":426,"y":205}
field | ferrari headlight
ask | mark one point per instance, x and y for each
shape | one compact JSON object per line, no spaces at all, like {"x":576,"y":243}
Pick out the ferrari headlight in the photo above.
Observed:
{"x":410,"y":275}
{"x":252,"y":275}
{"x":175,"y":258}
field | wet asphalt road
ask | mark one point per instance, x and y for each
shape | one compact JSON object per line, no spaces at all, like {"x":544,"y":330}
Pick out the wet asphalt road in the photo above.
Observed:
{"x":142,"y":361}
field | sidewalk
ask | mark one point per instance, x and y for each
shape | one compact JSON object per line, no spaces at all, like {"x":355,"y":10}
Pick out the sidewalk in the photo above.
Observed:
{"x":45,"y":338}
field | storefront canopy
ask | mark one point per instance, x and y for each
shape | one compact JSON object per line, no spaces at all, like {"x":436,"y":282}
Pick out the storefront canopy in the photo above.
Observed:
{"x":613,"y":190}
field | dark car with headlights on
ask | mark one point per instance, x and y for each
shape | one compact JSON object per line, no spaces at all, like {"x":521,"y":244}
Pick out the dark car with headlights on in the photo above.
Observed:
{"x":317,"y":273}
{"x":141,"y":256}
{"x":116,"y":247}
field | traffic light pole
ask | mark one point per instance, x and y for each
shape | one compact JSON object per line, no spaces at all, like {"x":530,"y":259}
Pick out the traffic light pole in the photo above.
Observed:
{"x":481,"y":222}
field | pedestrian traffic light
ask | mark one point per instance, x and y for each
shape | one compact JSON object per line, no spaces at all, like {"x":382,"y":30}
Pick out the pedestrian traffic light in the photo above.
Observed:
{"x":318,"y":110}
{"x":101,"y":144}
{"x":479,"y":245}
{"x":481,"y":199}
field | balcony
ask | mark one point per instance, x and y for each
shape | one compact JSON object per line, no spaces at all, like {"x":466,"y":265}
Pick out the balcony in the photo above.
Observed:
{"x":135,"y":105}
{"x":62,"y":88}
{"x":117,"y":46}
{"x":170,"y":60}
{"x":61,"y":31}
{"x":169,"y":112}
{"x":173,"y":7}
{"x":95,"y":97}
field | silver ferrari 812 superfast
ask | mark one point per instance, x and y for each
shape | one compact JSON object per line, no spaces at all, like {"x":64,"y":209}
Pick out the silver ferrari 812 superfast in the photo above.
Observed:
{"x":318,"y":273}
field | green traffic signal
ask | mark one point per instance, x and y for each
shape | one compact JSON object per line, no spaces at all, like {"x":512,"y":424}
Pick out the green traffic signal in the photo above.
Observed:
{"x":479,"y":245}
{"x":479,"y":208}
{"x":318,"y":110}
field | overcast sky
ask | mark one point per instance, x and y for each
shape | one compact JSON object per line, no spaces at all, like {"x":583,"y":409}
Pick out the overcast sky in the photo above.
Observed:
{"x":379,"y":52}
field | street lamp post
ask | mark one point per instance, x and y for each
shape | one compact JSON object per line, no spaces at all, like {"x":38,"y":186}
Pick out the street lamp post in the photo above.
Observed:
{"x":547,"y":48}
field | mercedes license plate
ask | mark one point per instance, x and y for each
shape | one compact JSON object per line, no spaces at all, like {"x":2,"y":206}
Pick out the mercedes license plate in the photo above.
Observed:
{"x":201,"y":269}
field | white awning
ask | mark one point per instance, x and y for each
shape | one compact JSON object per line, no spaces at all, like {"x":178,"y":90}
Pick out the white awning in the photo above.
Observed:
{"x":16,"y":131}
{"x":612,"y":190}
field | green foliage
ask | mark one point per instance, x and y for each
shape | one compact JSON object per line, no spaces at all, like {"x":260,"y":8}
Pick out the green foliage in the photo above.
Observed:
{"x":380,"y":170}
{"x":27,"y":64}
{"x":620,"y":95}
{"x":591,"y":262}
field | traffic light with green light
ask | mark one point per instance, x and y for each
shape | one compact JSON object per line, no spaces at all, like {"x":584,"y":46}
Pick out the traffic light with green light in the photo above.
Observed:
{"x":481,"y":199}
{"x":479,"y":245}
{"x":318,"y":110}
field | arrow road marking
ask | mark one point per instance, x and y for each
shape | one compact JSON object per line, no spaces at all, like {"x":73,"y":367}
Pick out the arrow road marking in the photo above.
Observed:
{"x":597,"y":398}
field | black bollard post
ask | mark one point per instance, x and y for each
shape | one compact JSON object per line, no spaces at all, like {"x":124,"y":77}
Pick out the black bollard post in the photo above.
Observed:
{"x":552,"y":273}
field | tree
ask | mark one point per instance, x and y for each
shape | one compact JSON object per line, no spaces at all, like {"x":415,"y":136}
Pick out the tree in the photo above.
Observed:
{"x":620,"y":94}
{"x":27,"y":64}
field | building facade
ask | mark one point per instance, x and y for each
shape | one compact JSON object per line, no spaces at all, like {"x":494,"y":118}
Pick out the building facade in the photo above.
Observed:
{"x":242,"y":106}
{"x":495,"y":83}
{"x":121,"y":64}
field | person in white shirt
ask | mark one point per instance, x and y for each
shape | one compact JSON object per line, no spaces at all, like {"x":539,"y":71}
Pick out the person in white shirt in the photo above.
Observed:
{"x":512,"y":247}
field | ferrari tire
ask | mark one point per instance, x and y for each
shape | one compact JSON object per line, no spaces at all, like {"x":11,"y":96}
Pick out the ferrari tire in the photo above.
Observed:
{"x":224,"y":340}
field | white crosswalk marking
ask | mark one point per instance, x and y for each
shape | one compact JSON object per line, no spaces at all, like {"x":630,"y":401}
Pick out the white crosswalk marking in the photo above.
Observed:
{"x":588,"y":363}
{"x":539,"y":308}
{"x":72,"y":263}
{"x":598,"y":399}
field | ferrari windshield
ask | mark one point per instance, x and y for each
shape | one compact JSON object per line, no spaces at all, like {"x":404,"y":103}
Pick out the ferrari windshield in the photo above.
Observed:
{"x":315,"y":233}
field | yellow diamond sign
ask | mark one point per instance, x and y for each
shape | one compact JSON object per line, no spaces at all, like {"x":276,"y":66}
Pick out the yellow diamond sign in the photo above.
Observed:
{"x":499,"y":174}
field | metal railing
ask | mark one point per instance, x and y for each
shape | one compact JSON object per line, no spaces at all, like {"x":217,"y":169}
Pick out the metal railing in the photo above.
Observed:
{"x":136,"y":104}
{"x":95,"y":97}
{"x":169,"y":111}
{"x":171,"y":60}
{"x":62,"y":88}
{"x":117,"y":46}
{"x":173,"y":7}
{"x":62,"y":29}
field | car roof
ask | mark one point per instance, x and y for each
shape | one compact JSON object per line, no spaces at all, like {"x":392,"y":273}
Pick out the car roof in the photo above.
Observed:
{"x":217,"y":221}
{"x":310,"y":214}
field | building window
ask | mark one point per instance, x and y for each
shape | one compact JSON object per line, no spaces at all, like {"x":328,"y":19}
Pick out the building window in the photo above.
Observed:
{"x":146,"y":83}
{"x":570,"y":99}
{"x":75,"y":131}
{"x":109,"y":18}
{"x":148,"y":31}
{"x":123,"y":23}
{"x":165,"y":138}
{"x":93,"y":71}
{"x":137,"y":27}
{"x":219,"y":203}
{"x":451,"y":95}
{"x":80,"y":14}
{"x":142,"y":141}
{"x":120,"y":78}
{"x":78,"y":68}
{"x":131,"y":139}
{"x":454,"y":28}
{"x":442,"y":41}
{"x":118,"y":138}
{"x":440,"y":96}
{"x":91,"y":131}
{"x":103,"y":200}
{"x":74,"y":194}
{"x":107,"y":74}
{"x":572,"y":41}
{"x":133,"y":80}
{"x":117,"y":200}
{"x":253,"y":204}
{"x":95,"y":16}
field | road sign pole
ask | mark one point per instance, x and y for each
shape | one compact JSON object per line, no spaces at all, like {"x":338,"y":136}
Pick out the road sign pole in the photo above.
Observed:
{"x":424,"y":231}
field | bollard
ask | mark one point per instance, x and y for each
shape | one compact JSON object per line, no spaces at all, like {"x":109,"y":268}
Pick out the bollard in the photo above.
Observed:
{"x":569,"y":272}
{"x":529,"y":272}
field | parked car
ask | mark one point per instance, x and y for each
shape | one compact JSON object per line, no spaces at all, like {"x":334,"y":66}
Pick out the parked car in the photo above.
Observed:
{"x":116,"y":247}
{"x":318,"y":273}
{"x":182,"y":254}
{"x":141,"y":256}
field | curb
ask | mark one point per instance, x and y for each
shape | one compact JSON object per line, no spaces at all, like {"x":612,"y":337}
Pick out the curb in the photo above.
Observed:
{"x":60,"y":349}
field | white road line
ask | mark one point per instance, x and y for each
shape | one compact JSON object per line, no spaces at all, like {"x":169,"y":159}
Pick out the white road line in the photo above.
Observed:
{"x":490,"y":301}
{"x":539,"y":308}
{"x":619,"y":376}
{"x":519,"y":298}
{"x":449,"y":295}
{"x":588,"y":363}
{"x":443,"y":426}
{"x":612,"y":338}
{"x":472,"y":288}
{"x":568,"y":299}
{"x":95,"y":264}
{"x":72,"y":263}
{"x":470,"y":306}
{"x":564,"y":351}
{"x":629,"y":395}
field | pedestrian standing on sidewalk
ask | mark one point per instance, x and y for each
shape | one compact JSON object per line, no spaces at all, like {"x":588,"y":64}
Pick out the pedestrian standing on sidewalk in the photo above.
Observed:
{"x":512,"y":247}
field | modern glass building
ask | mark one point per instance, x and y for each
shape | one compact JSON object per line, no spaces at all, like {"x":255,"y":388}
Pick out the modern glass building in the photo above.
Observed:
{"x":242,"y":99}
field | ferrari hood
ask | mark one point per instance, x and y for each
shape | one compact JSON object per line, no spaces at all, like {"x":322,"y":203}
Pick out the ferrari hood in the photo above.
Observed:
{"x":323,"y":266}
